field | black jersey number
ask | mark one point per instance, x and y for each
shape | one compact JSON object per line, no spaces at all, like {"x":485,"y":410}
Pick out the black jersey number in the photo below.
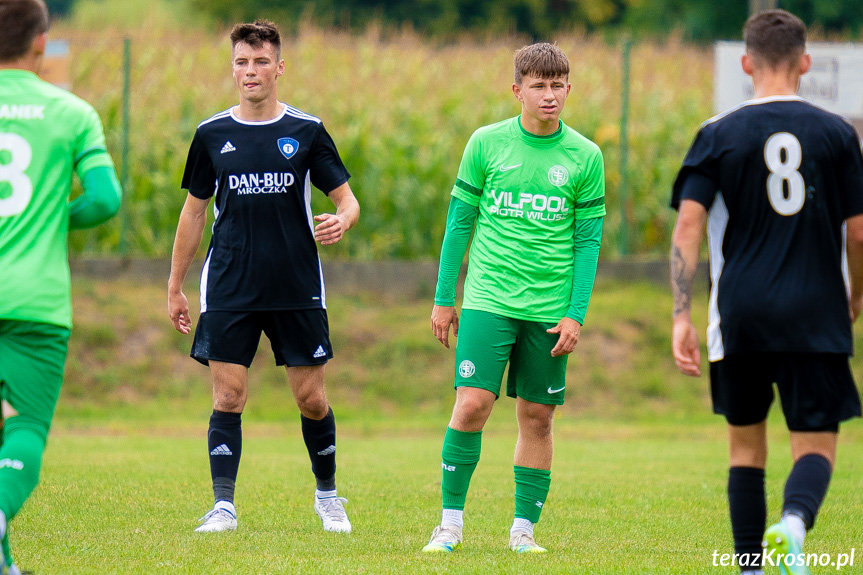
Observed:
{"x":782,"y":154}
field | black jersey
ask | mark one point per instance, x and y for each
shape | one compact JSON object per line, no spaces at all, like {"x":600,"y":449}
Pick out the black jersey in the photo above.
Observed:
{"x":779,"y":176}
{"x":263,"y":254}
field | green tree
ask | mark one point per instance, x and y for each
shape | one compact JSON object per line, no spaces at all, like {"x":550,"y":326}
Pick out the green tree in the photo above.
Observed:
{"x":59,"y":8}
{"x":835,"y":16}
{"x":701,"y":20}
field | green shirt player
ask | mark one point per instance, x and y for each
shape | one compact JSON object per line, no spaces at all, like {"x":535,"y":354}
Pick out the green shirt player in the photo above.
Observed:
{"x":535,"y":190}
{"x":45,"y":134}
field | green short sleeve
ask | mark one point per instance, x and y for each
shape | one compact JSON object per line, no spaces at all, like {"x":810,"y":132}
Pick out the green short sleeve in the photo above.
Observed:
{"x":471,"y":173}
{"x":590,"y":197}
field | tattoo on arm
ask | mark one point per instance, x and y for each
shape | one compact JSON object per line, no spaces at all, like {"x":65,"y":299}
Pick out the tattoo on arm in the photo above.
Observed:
{"x":681,"y":282}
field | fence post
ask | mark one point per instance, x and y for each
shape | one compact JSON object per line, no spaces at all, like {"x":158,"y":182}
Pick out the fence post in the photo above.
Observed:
{"x":624,"y":146}
{"x":127,"y":71}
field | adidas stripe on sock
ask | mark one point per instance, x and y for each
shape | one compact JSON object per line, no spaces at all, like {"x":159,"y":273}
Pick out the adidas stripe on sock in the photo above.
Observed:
{"x":320,"y":439}
{"x":225,"y":443}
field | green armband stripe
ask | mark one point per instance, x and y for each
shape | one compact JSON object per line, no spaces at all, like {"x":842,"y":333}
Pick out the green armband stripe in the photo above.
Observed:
{"x":459,"y":183}
{"x":87,"y":153}
{"x":590,"y":203}
{"x":582,"y":215}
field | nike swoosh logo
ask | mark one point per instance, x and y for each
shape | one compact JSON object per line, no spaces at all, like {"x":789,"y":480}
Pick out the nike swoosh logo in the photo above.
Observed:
{"x":550,"y":390}
{"x":508,"y":168}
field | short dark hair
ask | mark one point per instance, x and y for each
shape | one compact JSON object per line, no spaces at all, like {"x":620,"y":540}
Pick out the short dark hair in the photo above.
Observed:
{"x":257,"y":34}
{"x":21,"y":21}
{"x":775,"y":37}
{"x":541,"y":60}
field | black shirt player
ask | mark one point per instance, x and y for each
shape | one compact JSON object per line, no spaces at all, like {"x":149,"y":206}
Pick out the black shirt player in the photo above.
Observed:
{"x":779,"y":184}
{"x":262,"y":272}
{"x":263,"y":254}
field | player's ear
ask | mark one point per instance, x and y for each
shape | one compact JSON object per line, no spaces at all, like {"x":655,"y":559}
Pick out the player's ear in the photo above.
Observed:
{"x":516,"y":90}
{"x":39,"y":44}
{"x":805,"y":63}
{"x":280,"y":69}
{"x":747,"y":64}
{"x":37,"y":51}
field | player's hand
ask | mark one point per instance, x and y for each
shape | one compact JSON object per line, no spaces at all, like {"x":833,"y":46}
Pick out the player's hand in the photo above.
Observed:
{"x":330,"y":230}
{"x":569,"y":330}
{"x":178,"y":310}
{"x":684,"y":347}
{"x":442,"y":317}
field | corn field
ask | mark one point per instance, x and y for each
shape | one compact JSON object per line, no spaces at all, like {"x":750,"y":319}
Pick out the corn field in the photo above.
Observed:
{"x":400,"y":109}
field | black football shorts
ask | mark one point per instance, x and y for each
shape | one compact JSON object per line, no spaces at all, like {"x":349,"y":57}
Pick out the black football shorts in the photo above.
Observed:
{"x":817,"y":390}
{"x":298,"y":337}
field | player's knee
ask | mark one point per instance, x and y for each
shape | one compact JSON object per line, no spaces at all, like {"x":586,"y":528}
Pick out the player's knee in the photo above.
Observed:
{"x":471,"y":412}
{"x":313,"y":405}
{"x":474,"y":407}
{"x":536,"y":419}
{"x":229,"y":400}
{"x":540,"y":426}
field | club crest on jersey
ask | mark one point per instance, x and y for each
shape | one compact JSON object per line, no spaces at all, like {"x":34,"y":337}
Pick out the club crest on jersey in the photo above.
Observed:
{"x":558,"y":176}
{"x":288,"y":147}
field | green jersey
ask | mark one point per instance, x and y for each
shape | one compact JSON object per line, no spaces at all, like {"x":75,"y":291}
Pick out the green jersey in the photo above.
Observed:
{"x":45,"y":134}
{"x":530,"y":190}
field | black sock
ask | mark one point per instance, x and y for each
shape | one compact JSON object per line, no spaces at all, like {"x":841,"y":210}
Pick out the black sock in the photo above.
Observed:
{"x":225,"y":442}
{"x":806,"y":487}
{"x":320,"y":438}
{"x":747,"y":503}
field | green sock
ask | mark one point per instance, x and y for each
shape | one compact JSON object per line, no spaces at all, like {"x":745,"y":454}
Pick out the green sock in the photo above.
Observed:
{"x":20,"y":462}
{"x":459,"y":456}
{"x":531,"y":489}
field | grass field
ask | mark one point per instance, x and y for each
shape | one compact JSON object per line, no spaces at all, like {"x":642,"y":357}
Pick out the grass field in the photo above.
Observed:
{"x":625,"y":498}
{"x":638,"y":481}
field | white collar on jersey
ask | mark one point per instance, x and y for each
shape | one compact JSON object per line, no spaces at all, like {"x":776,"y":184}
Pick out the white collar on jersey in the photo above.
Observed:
{"x":766,"y":99}
{"x":753,"y":102}
{"x":263,"y":122}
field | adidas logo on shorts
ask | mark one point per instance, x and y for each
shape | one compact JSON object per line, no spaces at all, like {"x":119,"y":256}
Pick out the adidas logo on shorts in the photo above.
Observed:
{"x":228,"y":147}
{"x":320,"y":352}
{"x":18,"y":465}
{"x":221,"y":450}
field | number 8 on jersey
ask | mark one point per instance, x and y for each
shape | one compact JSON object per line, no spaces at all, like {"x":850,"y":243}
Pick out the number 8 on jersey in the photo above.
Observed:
{"x":784,"y":170}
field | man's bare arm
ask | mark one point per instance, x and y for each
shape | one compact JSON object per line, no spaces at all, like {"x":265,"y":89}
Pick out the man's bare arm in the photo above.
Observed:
{"x":854,"y":254}
{"x":190,"y":230}
{"x":332,"y":227}
{"x":685,"y":247}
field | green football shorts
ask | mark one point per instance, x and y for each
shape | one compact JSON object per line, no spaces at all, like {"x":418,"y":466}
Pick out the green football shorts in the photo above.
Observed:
{"x":487,"y":341}
{"x":32,"y":359}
